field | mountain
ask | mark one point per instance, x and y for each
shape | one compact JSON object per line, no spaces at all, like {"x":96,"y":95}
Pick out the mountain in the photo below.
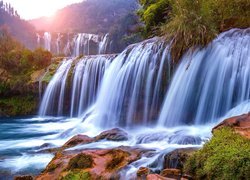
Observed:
{"x":90,"y":16}
{"x":22,"y":30}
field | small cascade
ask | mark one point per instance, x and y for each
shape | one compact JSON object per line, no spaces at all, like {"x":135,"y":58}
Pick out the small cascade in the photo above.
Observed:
{"x":133,"y":85}
{"x":47,"y":41}
{"x":103,"y":45}
{"x":88,"y":74}
{"x":75,"y":44}
{"x":210,"y":82}
{"x":53,"y":99}
{"x":58,"y":43}
{"x":38,"y":40}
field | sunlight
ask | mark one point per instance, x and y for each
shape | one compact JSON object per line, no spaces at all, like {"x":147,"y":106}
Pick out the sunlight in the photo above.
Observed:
{"x":34,"y":9}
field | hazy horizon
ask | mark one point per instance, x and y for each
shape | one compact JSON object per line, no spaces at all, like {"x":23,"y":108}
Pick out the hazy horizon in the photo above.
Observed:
{"x":32,"y":9}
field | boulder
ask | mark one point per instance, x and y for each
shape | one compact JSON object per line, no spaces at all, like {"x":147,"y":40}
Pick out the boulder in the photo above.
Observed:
{"x":96,"y":164}
{"x":171,"y":173}
{"x":177,"y":158}
{"x":115,"y":134}
{"x":157,"y":177}
{"x":78,"y":140}
{"x":240,"y":124}
{"x":143,"y":172}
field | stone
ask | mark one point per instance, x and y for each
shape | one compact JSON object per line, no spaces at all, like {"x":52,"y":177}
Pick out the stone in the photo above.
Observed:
{"x":143,"y":172}
{"x":171,"y":173}
{"x":97,"y":163}
{"x":78,"y":140}
{"x":240,"y":124}
{"x":157,"y":177}
{"x":115,"y":134}
{"x":177,"y":158}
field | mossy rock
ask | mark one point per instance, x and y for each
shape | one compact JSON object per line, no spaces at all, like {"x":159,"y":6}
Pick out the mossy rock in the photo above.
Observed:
{"x":225,"y":156}
{"x":77,"y":175}
{"x":81,"y":161}
{"x":118,"y":159}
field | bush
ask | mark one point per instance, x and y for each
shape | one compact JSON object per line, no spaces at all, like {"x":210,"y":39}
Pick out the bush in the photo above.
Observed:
{"x":192,"y":23}
{"x":225,"y":156}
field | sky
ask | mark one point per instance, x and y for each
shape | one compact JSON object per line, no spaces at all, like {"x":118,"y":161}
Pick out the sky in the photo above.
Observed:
{"x":30,"y":9}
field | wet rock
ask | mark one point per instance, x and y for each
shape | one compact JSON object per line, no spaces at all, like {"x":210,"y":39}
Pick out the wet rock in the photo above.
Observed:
{"x":115,"y":134}
{"x":152,"y":137}
{"x":171,"y":173}
{"x":177,"y":158}
{"x":98,"y":163}
{"x":157,"y":177}
{"x":143,"y":172}
{"x":27,"y":177}
{"x":241,"y":124}
{"x":77,"y":140}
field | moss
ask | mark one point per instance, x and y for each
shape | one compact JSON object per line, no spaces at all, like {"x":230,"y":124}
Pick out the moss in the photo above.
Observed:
{"x":81,"y":161}
{"x":118,"y":157}
{"x":18,"y":105}
{"x":225,"y":156}
{"x":50,"y":72}
{"x":77,"y":175}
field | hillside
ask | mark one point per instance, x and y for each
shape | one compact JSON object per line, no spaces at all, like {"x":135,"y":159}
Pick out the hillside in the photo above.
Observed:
{"x":20,"y":29}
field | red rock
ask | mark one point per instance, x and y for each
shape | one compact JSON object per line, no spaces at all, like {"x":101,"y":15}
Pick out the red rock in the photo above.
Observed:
{"x":115,"y":134}
{"x":171,"y":173}
{"x":241,"y":124}
{"x":105,"y":163}
{"x":77,"y":140}
{"x":157,"y":177}
{"x":143,"y":172}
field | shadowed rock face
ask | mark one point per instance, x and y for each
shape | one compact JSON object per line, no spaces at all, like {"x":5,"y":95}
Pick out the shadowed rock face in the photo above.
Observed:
{"x":178,"y":157}
{"x":240,"y":124}
{"x":115,"y":134}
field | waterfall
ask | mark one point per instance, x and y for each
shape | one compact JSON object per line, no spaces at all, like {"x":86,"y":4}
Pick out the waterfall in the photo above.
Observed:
{"x":88,"y":74}
{"x":47,"y":41}
{"x":133,"y":85}
{"x":104,"y":44}
{"x":58,"y":42}
{"x":210,"y":82}
{"x":53,"y":99}
{"x":38,"y":40}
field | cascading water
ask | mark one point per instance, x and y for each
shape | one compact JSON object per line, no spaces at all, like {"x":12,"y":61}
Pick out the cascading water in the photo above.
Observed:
{"x":53,"y":99}
{"x":210,"y":82}
{"x":88,"y":74}
{"x":128,"y":91}
{"x":132,"y":86}
{"x":47,"y":41}
{"x":58,"y":42}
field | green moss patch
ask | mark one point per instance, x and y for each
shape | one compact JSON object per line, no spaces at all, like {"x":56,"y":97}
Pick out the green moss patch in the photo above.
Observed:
{"x":225,"y":156}
{"x":77,"y":175}
{"x":81,"y":161}
{"x":118,"y":158}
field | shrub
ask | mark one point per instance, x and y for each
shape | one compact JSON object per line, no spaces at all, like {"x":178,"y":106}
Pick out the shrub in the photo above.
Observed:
{"x":192,"y":23}
{"x":225,"y":156}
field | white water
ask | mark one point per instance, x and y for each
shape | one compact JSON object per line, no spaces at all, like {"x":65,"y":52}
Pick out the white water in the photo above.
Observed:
{"x":132,"y":86}
{"x":210,"y":82}
{"x":88,"y":74}
{"x":53,"y":99}
{"x":208,"y":86}
{"x":47,"y":41}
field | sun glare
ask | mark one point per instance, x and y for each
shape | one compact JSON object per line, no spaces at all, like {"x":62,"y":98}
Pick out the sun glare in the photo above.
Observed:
{"x":30,"y":9}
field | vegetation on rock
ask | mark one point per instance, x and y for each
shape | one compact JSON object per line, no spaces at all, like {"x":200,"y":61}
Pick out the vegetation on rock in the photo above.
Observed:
{"x":225,"y":156}
{"x":193,"y":23}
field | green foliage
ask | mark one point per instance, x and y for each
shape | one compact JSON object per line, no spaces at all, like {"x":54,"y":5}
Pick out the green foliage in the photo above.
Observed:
{"x":153,"y":14}
{"x":225,"y":156}
{"x":192,"y":23}
{"x":17,"y":105}
{"x":77,"y":175}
